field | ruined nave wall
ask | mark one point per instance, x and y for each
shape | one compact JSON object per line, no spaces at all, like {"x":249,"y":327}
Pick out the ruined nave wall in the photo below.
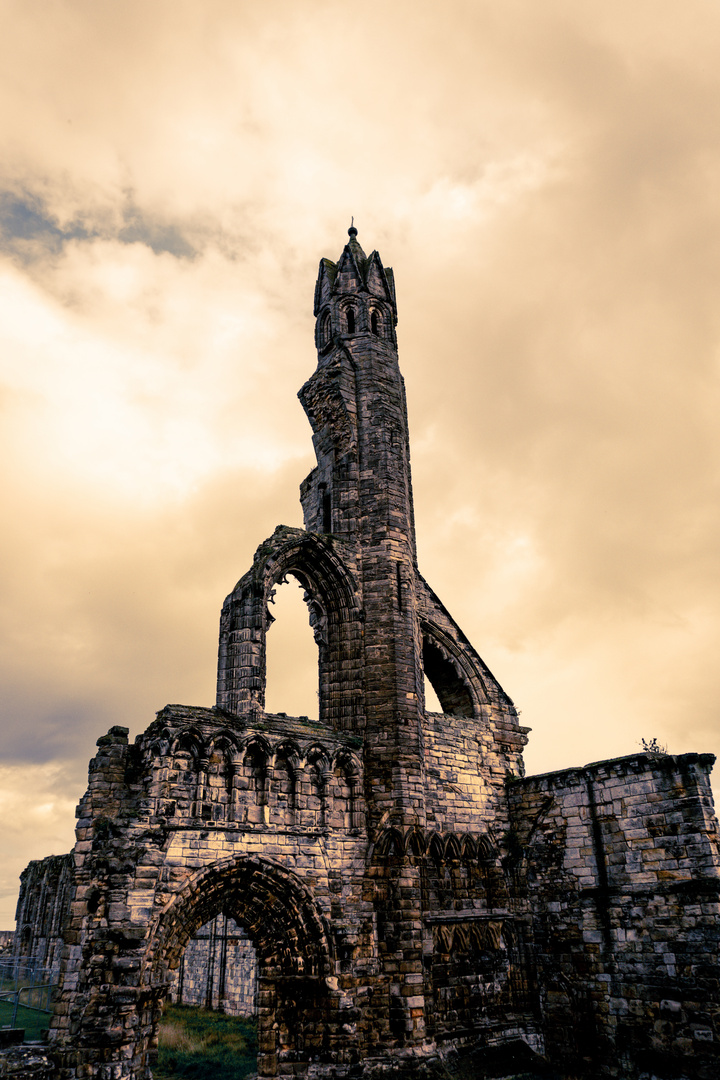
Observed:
{"x":218,"y":969}
{"x":619,"y":862}
{"x":46,"y":887}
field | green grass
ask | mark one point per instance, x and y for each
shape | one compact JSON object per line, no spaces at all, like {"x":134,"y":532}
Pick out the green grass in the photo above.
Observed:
{"x":196,"y":1044}
{"x":34,"y":1022}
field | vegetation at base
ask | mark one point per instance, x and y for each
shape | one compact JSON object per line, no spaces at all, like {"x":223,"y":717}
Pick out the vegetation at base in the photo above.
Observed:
{"x":197,"y":1044}
{"x":33,"y":1021}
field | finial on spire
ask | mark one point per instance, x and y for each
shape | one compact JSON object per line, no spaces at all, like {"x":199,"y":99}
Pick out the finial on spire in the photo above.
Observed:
{"x":352,"y":231}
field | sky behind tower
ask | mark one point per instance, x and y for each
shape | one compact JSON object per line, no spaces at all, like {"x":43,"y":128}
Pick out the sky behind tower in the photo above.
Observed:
{"x":543,"y":178}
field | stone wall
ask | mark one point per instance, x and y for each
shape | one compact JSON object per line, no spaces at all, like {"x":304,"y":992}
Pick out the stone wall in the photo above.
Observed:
{"x":218,"y":970}
{"x":26,"y":1063}
{"x":46,"y":888}
{"x":619,"y":862}
{"x":465,"y":774}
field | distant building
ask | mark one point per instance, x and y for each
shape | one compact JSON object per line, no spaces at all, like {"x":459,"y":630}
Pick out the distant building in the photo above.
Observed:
{"x":46,"y":891}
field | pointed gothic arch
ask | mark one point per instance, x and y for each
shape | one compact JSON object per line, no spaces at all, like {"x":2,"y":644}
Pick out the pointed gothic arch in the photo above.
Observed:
{"x":270,"y":901}
{"x":453,"y":675}
{"x":335,"y":614}
{"x":291,"y":941}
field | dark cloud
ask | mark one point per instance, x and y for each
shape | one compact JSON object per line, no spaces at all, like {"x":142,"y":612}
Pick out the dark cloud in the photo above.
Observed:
{"x":36,"y":730}
{"x":115,"y":624}
{"x":30,"y":231}
{"x":140,"y":227}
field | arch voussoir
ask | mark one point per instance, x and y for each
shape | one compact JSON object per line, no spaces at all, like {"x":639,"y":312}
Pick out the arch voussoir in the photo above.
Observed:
{"x":271,"y":902}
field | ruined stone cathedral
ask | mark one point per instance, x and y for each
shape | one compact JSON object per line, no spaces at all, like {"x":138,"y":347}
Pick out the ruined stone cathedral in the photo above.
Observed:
{"x":415,"y":902}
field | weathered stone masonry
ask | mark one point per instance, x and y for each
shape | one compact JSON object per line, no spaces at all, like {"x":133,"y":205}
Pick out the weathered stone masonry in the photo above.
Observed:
{"x":46,"y":888}
{"x":407,"y":891}
{"x":218,"y":970}
{"x":619,"y":861}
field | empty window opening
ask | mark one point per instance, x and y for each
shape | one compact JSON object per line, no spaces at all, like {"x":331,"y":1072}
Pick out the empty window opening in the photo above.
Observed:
{"x":451,"y":690}
{"x":325,"y":329}
{"x":432,"y":701}
{"x":326,"y":510}
{"x":292,"y":677}
{"x":375,"y":322}
{"x":350,"y":316}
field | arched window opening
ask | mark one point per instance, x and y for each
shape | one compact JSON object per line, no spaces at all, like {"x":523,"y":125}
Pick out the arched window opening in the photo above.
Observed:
{"x":350,"y":319}
{"x":452,"y":692}
{"x":292,"y":675}
{"x":375,"y":323}
{"x":325,"y":328}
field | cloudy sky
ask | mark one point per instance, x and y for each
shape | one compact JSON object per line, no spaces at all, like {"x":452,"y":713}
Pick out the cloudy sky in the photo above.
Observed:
{"x":544,"y":180}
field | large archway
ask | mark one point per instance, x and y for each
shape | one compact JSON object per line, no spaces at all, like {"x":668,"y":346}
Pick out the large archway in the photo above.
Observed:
{"x":296,"y":992}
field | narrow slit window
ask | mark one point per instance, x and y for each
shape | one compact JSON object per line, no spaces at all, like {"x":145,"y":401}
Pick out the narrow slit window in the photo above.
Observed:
{"x":375,"y":323}
{"x":351,"y":320}
{"x":327,"y":512}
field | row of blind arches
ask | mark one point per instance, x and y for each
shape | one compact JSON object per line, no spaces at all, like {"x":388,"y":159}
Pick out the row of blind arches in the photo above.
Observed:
{"x":253,"y":782}
{"x":479,"y":938}
{"x":440,"y":848}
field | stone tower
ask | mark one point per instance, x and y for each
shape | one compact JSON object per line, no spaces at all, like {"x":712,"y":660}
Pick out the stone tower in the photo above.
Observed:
{"x":409,"y":893}
{"x":358,"y":505}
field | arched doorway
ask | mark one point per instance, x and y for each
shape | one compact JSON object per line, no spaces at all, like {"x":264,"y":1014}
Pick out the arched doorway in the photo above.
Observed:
{"x":296,"y":991}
